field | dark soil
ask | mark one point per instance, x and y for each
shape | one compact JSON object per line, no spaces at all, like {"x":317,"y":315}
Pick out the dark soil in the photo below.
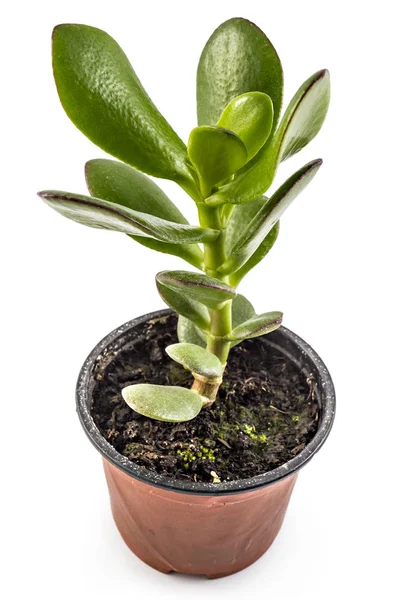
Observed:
{"x":265,"y":414}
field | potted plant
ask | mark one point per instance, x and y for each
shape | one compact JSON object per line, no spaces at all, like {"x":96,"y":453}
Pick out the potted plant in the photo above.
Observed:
{"x":203,"y":420}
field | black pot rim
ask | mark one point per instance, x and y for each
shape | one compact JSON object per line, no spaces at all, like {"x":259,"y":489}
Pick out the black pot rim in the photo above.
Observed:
{"x":232,"y":487}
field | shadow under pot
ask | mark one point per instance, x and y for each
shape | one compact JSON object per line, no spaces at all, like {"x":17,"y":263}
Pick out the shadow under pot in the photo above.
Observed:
{"x":211,"y":529}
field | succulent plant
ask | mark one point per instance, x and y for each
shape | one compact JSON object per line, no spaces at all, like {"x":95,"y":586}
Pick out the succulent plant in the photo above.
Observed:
{"x":229,"y":163}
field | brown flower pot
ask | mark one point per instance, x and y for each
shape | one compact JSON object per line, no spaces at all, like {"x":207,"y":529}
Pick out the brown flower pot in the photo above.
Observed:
{"x":201,"y":528}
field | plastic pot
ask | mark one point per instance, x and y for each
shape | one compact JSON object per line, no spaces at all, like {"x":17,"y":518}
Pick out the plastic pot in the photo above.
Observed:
{"x":201,"y":528}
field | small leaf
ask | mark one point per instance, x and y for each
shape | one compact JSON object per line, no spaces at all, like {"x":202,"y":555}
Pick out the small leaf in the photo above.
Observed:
{"x":237,"y":58}
{"x":300,"y":124}
{"x":257,"y":256}
{"x":216,"y":154}
{"x":240,"y":218}
{"x":242,"y":310}
{"x":250,"y":116}
{"x":256,"y":326}
{"x":103,"y":97}
{"x":189,"y":333}
{"x":199,"y":287}
{"x":185,"y":306}
{"x":164,"y":403}
{"x":101,"y":214}
{"x":196,"y":359}
{"x":118,"y":183}
{"x":267,"y":217}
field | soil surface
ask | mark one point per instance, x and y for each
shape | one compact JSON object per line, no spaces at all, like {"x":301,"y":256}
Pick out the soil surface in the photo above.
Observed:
{"x":265,"y":414}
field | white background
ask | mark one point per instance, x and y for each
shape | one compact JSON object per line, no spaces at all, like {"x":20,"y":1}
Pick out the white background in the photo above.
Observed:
{"x":334,"y":273}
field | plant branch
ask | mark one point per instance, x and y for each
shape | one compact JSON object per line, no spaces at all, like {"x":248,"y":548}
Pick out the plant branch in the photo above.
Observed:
{"x":221,"y":318}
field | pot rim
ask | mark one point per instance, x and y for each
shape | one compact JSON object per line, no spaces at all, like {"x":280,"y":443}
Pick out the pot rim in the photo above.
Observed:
{"x":327,"y":400}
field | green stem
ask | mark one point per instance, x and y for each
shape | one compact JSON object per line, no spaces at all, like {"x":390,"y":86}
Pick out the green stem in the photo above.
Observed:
{"x":221,"y":319}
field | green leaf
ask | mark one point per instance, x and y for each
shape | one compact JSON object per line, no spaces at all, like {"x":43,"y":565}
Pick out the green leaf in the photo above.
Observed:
{"x":267,"y":217}
{"x":189,"y":333}
{"x":250,"y":116}
{"x":103,"y":97}
{"x":197,"y":286}
{"x":191,"y":253}
{"x":164,"y":403}
{"x":107,"y":215}
{"x":240,"y":218}
{"x":216,"y":154}
{"x":304,"y":116}
{"x":237,"y":58}
{"x":256,"y":326}
{"x":242,"y":309}
{"x":300,"y":124}
{"x":185,"y":306}
{"x":196,"y":359}
{"x":257,"y":256}
{"x":118,"y":183}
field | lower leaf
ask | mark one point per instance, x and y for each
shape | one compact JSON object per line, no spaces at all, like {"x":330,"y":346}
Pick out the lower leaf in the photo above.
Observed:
{"x":163,"y":403}
{"x":256,"y":326}
{"x":242,"y":310}
{"x":191,"y":309}
{"x":197,"y":360}
{"x":189,"y":332}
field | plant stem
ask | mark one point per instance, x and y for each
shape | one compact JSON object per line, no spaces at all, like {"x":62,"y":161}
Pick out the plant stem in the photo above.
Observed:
{"x":221,"y":319}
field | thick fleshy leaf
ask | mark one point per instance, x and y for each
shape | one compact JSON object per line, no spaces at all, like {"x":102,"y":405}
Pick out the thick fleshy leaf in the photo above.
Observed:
{"x":118,"y":183}
{"x":267,"y":217}
{"x":101,"y":214}
{"x":237,"y":58}
{"x":196,"y":359}
{"x":300,"y":124}
{"x":185,"y":306}
{"x":242,"y":310}
{"x":163,"y":402}
{"x":240,"y":218}
{"x":242,"y":215}
{"x":216,"y":154}
{"x":197,"y":286}
{"x":257,"y":256}
{"x":257,"y":325}
{"x":189,"y":333}
{"x":104,"y":98}
{"x":191,"y":253}
{"x":250,"y":116}
{"x":304,"y":116}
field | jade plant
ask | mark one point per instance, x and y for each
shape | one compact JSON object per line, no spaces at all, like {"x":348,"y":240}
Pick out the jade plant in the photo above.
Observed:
{"x":228,"y":164}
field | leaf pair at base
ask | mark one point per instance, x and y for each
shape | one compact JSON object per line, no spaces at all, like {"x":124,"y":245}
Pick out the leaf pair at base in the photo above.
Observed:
{"x":177,"y":404}
{"x":174,"y":403}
